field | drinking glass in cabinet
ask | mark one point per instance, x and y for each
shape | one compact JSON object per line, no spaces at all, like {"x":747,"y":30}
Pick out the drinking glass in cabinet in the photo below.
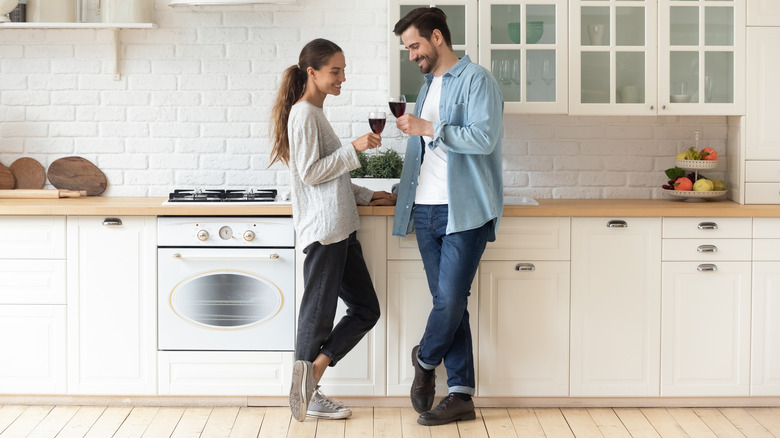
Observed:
{"x":595,"y":26}
{"x":684,"y":77}
{"x":630,"y":77}
{"x":507,"y":70}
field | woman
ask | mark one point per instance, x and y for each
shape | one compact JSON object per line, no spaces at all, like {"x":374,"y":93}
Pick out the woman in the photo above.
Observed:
{"x":325,"y":215}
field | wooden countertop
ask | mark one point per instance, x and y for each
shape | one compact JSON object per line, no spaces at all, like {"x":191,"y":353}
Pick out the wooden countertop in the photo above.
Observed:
{"x":127,"y":206}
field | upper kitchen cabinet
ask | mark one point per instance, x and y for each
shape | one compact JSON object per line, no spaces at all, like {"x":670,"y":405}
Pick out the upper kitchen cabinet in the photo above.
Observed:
{"x":763,"y":13}
{"x":405,"y":75}
{"x":667,"y":57}
{"x":524,"y":44}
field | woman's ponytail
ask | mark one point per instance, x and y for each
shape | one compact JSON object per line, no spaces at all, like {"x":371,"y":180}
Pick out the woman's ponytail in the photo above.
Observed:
{"x":293,"y":84}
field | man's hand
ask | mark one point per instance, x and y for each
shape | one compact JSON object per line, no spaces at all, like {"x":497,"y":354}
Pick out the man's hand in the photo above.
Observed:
{"x":383,"y":198}
{"x":413,"y":125}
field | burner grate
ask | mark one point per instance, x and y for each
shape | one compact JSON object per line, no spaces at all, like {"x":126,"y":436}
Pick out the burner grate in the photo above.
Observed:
{"x":220,"y":195}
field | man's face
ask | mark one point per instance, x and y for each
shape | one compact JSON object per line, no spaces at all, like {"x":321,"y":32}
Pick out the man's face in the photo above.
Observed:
{"x":421,"y":50}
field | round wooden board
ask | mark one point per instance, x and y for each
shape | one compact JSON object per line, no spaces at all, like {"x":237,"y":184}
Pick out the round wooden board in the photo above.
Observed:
{"x":29,"y":173}
{"x":77,"y":173}
{"x":7,"y":181}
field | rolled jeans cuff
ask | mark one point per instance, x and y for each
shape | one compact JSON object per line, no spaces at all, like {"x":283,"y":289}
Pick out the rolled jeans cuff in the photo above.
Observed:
{"x":462,"y":390}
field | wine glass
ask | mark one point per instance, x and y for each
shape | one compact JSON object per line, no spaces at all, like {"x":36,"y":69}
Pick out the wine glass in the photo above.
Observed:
{"x":376,"y":121}
{"x":548,"y":73}
{"x":397,"y":105}
{"x":708,"y":85}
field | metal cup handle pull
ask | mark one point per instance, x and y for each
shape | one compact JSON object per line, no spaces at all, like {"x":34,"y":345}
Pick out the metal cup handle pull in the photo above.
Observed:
{"x":525,"y":267}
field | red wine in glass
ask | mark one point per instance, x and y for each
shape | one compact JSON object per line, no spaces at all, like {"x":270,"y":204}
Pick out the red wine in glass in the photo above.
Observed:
{"x":377,"y":125}
{"x":398,"y":105}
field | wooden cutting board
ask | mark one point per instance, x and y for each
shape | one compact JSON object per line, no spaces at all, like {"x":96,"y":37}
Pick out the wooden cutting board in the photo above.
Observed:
{"x":77,"y":173}
{"x":29,"y":173}
{"x":7,"y":181}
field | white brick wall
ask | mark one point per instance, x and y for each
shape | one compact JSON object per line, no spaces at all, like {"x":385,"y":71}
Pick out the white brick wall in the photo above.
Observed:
{"x":193,"y":105}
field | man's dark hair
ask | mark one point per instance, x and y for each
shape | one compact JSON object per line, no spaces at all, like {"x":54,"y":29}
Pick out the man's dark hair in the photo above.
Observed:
{"x":425,"y":20}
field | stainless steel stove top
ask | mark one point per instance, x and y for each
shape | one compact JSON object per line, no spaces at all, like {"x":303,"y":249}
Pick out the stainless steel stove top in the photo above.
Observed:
{"x":227,"y":196}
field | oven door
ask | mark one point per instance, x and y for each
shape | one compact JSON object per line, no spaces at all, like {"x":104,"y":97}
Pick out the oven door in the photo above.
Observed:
{"x":226,"y":299}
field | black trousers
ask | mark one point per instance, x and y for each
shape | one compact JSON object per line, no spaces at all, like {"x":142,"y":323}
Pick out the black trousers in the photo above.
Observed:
{"x":331,"y":272}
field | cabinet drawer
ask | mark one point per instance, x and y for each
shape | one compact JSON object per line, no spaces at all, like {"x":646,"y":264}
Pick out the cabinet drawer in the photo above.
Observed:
{"x":531,"y":238}
{"x":762,"y":193}
{"x":766,"y":249}
{"x":528,"y":238}
{"x":32,"y":237}
{"x":32,"y":282}
{"x":707,"y":227}
{"x":766,"y":228}
{"x":694,"y":250}
{"x":762,"y":171}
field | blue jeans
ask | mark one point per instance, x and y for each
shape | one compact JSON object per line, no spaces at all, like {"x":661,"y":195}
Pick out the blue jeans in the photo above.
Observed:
{"x":450,"y":261}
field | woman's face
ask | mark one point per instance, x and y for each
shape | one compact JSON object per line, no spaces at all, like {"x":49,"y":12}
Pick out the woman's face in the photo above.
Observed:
{"x":329,"y":77}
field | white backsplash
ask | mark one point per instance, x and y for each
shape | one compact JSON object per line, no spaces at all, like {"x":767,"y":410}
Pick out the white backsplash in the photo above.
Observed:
{"x":193,"y":105}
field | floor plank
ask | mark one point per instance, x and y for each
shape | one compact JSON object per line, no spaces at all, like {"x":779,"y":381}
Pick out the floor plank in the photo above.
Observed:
{"x":387,"y":423}
{"x":768,"y":417}
{"x":164,"y":422}
{"x":409,"y":426}
{"x":248,"y":423}
{"x":498,"y":423}
{"x":360,"y":424}
{"x":109,"y":422}
{"x":79,"y":425}
{"x":718,"y":424}
{"x":302,"y":429}
{"x":26,"y":422}
{"x":691,"y":423}
{"x":635,"y":422}
{"x":55,"y":420}
{"x":136,"y":422}
{"x":609,"y":423}
{"x":664,"y":423}
{"x":581,"y":423}
{"x":331,"y":428}
{"x":8,"y":414}
{"x":276,"y":422}
{"x":473,"y":428}
{"x":553,"y":423}
{"x":745,"y":423}
{"x":192,"y":423}
{"x":526,"y":423}
{"x":220,"y":422}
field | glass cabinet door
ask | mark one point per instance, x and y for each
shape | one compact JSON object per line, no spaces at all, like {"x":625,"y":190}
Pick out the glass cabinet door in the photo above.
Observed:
{"x":702,"y":57}
{"x":613,"y":57}
{"x":405,"y":75}
{"x":524,"y":44}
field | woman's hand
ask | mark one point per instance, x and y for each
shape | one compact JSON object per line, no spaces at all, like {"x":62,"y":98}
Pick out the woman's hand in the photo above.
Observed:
{"x":368,"y":141}
{"x":383,"y":198}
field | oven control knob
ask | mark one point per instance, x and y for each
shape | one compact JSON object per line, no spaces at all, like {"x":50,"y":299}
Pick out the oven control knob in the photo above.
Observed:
{"x":203,"y":235}
{"x":249,"y":236}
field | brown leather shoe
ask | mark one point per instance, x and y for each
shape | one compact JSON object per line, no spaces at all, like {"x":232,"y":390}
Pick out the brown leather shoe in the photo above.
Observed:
{"x":423,"y":387}
{"x":449,"y":409}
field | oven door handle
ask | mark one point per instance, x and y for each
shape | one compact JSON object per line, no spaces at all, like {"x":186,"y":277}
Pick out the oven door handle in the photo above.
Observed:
{"x":271,"y":256}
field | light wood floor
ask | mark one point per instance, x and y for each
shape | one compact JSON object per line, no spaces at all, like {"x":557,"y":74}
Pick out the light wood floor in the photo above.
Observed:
{"x":275,"y":422}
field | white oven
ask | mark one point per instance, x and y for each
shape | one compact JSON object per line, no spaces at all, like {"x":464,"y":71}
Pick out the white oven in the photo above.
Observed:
{"x":226,"y":284}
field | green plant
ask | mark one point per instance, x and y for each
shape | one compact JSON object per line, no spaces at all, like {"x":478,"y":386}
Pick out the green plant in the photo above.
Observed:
{"x":384,"y":164}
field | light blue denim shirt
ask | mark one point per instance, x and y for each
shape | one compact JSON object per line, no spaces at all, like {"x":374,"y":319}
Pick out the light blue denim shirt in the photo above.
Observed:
{"x":471,"y":113}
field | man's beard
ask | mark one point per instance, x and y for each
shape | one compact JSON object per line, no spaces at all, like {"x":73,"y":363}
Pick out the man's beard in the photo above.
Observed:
{"x":430,"y":63}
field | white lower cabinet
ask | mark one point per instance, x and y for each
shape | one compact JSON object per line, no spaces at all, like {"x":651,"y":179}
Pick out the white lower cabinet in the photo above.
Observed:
{"x":524,"y":328}
{"x":408,"y":304}
{"x":765,"y":350}
{"x":705,"y":329}
{"x":224,"y":373}
{"x":33,"y":348}
{"x":615,"y":306}
{"x":112,"y":342}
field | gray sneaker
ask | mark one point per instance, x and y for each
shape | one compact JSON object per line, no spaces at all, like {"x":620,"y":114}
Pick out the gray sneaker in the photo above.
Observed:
{"x":322,"y":406}
{"x":301,"y":389}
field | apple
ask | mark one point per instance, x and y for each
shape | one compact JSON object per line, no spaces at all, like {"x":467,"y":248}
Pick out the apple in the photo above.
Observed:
{"x":703,"y":185}
{"x":719,"y":185}
{"x":683,"y":184}
{"x":710,"y":154}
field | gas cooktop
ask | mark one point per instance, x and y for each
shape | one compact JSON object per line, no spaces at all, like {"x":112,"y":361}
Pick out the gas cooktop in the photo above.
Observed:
{"x":226,"y":196}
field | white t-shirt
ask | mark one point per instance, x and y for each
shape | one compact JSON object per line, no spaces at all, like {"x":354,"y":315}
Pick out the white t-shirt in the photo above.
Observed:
{"x":432,"y":184}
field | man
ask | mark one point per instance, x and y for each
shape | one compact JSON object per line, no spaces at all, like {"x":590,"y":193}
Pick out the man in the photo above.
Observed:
{"x":451,"y":193}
